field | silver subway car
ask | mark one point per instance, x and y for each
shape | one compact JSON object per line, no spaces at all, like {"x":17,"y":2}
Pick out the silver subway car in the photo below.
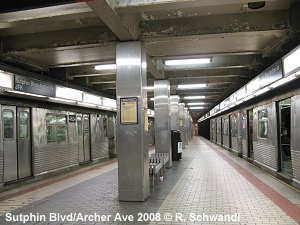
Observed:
{"x":37,"y":141}
{"x":265,"y":133}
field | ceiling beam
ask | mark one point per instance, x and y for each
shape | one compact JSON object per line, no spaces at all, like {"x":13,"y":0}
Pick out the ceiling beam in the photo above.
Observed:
{"x":216,"y":24}
{"x":102,"y":82}
{"x":213,"y":72}
{"x":43,"y":12}
{"x":59,"y":40}
{"x":124,"y":30}
{"x":210,"y":44}
{"x":125,"y":6}
{"x":72,"y":76}
{"x":153,"y":69}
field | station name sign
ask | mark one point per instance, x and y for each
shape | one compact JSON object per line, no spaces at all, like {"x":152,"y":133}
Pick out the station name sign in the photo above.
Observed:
{"x":28,"y":85}
{"x":271,"y":74}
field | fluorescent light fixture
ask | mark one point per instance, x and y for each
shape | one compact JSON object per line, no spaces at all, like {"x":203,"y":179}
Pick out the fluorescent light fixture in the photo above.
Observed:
{"x":106,"y":67}
{"x":196,"y":107}
{"x":68,"y":93}
{"x":291,"y":62}
{"x":196,"y":103}
{"x":109,"y":102}
{"x":261,"y":91}
{"x":252,"y":86}
{"x":62,"y":100}
{"x":161,"y":97}
{"x":6,"y":80}
{"x":282,"y":81}
{"x":29,"y":94}
{"x":105,"y":107}
{"x":149,"y":88}
{"x":151,"y":99}
{"x":94,"y":99}
{"x":191,"y":86}
{"x":86,"y":104}
{"x":248,"y":98}
{"x":187,"y":61}
{"x":194,"y":97}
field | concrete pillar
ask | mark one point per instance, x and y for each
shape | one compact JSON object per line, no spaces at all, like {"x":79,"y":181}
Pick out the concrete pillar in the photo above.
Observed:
{"x":181,"y":124}
{"x":132,"y":143}
{"x":162,"y":118}
{"x":174,"y":101}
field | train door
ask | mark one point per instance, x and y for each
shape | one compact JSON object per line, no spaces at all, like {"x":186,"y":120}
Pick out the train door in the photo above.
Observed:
{"x":86,"y":138}
{"x":229,"y":130}
{"x":16,"y":143}
{"x":284,"y":149}
{"x":222,"y":122}
{"x":216,"y":130}
{"x":80,"y":138}
{"x":83,"y":128}
{"x":250,"y":132}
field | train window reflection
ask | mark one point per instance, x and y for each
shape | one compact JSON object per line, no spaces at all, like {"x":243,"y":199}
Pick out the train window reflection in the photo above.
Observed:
{"x":244,"y":125}
{"x":218,"y":126}
{"x":233,"y":126}
{"x":23,"y":125}
{"x":79,"y":125}
{"x":225,"y":127}
{"x":8,"y":124}
{"x":56,"y":128}
{"x":263,"y":123}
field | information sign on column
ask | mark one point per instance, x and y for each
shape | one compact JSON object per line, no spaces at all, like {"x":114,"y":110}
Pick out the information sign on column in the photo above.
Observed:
{"x":129,"y":110}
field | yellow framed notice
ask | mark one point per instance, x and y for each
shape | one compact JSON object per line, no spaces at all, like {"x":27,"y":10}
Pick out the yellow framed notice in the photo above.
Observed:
{"x":129,"y":113}
{"x":181,"y":124}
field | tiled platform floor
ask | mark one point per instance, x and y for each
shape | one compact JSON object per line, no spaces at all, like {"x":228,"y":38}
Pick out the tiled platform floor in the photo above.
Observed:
{"x":207,"y":180}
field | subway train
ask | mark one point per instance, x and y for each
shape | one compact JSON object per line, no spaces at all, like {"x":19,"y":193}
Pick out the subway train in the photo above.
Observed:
{"x":39,"y":141}
{"x":265,"y":131}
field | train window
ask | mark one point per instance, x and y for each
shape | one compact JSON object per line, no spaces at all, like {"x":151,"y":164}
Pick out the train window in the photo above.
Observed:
{"x":79,"y":125}
{"x":225,"y":127}
{"x":23,"y":124}
{"x":244,"y":125}
{"x":105,"y":127}
{"x":263,"y":123}
{"x":8,"y":124}
{"x":57,"y":130}
{"x":233,"y":126}
{"x":86,"y":125}
{"x":218,"y":126}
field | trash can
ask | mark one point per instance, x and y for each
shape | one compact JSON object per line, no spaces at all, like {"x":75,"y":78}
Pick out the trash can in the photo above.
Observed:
{"x":176,"y":145}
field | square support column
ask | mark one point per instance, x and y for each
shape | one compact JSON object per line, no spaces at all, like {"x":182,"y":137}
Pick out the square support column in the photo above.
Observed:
{"x":182,"y":124}
{"x":174,"y":101}
{"x":186,"y":125}
{"x":162,"y":118}
{"x":132,"y":143}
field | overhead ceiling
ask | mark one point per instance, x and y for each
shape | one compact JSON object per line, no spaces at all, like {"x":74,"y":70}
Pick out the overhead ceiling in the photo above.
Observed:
{"x":65,"y":39}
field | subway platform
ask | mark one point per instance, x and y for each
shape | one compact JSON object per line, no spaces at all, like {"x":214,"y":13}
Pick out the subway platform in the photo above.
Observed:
{"x":208,"y":186}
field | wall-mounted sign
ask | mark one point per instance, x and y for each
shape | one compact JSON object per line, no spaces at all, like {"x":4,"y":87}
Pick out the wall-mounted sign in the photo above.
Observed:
{"x":28,"y":85}
{"x":129,"y":113}
{"x":181,"y":123}
{"x":271,"y":74}
{"x":72,"y":118}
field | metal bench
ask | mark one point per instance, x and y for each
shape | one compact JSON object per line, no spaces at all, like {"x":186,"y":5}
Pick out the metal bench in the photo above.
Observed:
{"x":157,"y":161}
